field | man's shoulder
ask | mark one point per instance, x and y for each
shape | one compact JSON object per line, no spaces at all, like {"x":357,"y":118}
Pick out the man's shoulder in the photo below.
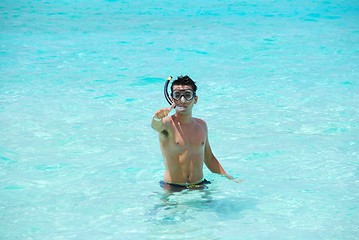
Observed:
{"x":168,"y":119}
{"x":200,"y":121}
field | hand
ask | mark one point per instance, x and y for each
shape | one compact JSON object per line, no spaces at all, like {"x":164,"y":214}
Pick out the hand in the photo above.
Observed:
{"x":233,"y":179}
{"x":238,"y":180}
{"x":163,"y":112}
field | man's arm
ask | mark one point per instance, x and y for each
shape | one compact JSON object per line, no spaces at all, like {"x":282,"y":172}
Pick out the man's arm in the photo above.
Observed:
{"x":157,"y":124}
{"x":211,"y":161}
{"x":157,"y":120}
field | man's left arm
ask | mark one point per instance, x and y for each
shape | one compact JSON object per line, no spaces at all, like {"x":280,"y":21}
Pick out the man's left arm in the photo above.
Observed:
{"x":212,"y":163}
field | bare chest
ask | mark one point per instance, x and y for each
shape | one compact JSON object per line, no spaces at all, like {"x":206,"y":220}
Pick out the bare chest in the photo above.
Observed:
{"x":189,"y":137}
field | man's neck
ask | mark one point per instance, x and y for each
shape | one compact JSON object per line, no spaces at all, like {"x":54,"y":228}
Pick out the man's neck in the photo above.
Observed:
{"x":183,"y":118}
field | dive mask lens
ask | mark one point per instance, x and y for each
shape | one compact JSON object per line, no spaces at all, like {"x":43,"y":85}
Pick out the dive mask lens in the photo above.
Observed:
{"x":188,"y":94}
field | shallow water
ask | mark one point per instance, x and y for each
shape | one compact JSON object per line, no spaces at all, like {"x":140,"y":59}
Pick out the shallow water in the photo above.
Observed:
{"x":278,"y":87}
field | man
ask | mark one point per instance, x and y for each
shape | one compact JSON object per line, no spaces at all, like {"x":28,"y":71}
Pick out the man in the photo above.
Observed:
{"x":184,"y":140}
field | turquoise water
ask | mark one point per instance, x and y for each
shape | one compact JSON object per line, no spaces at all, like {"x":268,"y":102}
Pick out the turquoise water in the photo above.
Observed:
{"x":278,"y":87}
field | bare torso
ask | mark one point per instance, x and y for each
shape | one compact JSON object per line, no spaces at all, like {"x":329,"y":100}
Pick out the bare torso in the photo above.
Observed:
{"x":183,"y":148}
{"x":184,"y":139}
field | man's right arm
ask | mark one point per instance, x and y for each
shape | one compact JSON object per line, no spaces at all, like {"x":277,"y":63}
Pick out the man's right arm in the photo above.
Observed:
{"x":157,"y":120}
{"x":157,"y":124}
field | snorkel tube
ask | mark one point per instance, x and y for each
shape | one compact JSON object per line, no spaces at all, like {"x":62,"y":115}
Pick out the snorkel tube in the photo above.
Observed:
{"x":165,"y":91}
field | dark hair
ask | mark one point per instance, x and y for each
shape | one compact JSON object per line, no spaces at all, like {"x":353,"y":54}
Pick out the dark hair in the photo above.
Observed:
{"x":184,"y":80}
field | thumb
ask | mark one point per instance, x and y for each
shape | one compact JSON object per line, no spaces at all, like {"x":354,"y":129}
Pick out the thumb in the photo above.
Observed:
{"x":171,"y":107}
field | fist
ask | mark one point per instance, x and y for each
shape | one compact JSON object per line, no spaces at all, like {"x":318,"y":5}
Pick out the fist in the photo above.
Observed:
{"x":163,"y":112}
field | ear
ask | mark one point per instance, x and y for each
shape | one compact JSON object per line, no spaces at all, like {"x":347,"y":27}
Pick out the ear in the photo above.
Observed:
{"x":195,"y":99}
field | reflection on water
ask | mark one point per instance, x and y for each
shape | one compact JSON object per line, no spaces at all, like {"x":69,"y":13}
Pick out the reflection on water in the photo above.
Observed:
{"x":190,"y":205}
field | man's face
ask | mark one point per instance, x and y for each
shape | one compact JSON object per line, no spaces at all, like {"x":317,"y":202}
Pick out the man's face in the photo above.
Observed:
{"x":184,"y":98}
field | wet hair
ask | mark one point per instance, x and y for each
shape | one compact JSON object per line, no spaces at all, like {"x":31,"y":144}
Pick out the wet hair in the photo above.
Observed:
{"x":184,"y":80}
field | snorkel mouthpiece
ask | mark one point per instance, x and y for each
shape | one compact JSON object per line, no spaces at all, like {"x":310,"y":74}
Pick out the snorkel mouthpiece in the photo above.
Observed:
{"x":180,"y":108}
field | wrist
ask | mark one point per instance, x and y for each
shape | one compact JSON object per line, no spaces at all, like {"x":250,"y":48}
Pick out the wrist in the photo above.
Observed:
{"x":157,"y":119}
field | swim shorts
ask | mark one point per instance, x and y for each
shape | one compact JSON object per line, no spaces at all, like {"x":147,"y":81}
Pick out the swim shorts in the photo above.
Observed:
{"x":177,"y":187}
